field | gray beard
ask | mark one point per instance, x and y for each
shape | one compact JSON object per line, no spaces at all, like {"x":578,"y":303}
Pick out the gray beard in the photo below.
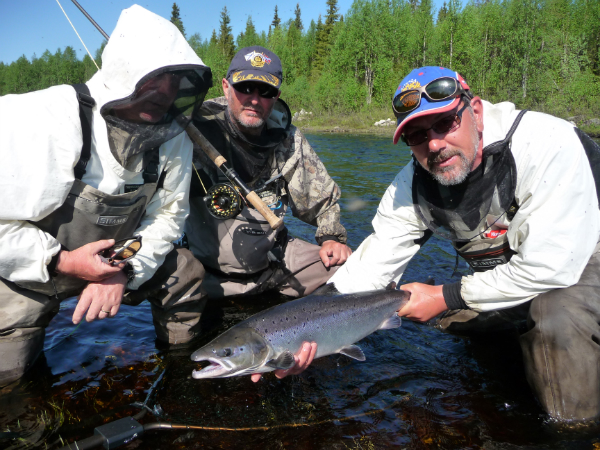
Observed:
{"x":464,"y":169}
{"x":257,"y":124}
{"x":465,"y":165}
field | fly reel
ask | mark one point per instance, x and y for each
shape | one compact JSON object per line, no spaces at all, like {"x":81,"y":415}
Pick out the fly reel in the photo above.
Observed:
{"x":223,"y":201}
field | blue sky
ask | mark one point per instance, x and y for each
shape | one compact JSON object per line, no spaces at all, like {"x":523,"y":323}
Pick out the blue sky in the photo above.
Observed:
{"x":29,"y":27}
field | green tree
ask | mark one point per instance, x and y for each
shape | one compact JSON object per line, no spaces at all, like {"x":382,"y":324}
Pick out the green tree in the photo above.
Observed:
{"x":225,"y":40}
{"x":249,"y":36}
{"x":297,"y":18}
{"x":276,"y":19}
{"x":176,"y":19}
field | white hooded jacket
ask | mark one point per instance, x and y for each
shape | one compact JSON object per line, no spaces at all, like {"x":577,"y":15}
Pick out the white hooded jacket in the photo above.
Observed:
{"x":41,"y":141}
{"x":553,"y":233}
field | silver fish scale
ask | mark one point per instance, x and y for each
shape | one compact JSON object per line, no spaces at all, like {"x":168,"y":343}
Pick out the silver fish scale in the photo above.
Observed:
{"x":333,"y":321}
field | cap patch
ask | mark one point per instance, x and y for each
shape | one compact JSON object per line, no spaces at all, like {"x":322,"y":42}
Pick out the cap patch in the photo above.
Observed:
{"x":239,"y":76}
{"x":257,"y":59}
{"x":411,"y":84}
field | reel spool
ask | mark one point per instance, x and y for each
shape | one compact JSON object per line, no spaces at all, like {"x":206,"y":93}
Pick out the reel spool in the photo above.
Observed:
{"x":223,"y":201}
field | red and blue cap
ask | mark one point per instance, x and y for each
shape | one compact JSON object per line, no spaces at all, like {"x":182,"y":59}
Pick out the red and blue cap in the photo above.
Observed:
{"x":421,"y":77}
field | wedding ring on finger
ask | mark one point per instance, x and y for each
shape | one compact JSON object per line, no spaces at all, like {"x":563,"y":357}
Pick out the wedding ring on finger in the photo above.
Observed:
{"x":105,"y":312}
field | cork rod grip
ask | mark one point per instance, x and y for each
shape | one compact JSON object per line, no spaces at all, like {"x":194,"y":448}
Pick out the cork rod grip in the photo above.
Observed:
{"x":205,"y":145}
{"x":264,"y":210}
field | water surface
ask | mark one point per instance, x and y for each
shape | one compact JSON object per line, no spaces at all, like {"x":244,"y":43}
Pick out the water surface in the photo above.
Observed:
{"x":418,"y":389}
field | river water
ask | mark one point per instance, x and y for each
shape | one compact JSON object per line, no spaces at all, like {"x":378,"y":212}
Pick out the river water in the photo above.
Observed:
{"x":418,"y":389}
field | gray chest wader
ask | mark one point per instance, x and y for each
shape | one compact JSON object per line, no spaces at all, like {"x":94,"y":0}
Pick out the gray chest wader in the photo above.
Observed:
{"x":240,"y":245}
{"x":89,"y":215}
{"x":490,"y":195}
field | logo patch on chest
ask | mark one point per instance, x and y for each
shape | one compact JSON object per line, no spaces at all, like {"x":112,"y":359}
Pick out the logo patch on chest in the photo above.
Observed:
{"x":253,"y":232}
{"x":111,"y":221}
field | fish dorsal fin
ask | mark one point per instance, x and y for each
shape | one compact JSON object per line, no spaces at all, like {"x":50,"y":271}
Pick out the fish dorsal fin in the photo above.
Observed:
{"x":353,"y":351}
{"x":391,"y":286}
{"x":326,"y":289}
{"x":393,"y":321}
{"x":284,"y":361}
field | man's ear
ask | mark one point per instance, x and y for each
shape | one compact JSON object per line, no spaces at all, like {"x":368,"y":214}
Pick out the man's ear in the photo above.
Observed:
{"x":225,"y":85}
{"x":477,"y":107}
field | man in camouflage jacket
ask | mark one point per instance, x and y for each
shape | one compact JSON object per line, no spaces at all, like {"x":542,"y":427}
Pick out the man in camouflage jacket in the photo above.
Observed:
{"x":251,"y":128}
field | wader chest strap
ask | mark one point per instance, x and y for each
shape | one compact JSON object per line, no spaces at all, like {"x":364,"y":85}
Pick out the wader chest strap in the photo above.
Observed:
{"x":86,"y":104}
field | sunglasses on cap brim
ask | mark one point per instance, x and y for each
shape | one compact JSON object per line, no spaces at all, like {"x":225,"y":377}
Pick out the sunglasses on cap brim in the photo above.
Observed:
{"x":435,"y":91}
{"x":264,"y":90}
{"x":122,"y":251}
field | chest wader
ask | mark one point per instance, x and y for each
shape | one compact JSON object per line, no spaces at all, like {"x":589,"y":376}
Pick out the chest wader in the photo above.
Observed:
{"x":243,"y":245}
{"x":89,"y":215}
{"x":465,"y":212}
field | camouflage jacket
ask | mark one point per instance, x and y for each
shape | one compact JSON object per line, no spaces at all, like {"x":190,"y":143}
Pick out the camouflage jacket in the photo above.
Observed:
{"x":312,"y":193}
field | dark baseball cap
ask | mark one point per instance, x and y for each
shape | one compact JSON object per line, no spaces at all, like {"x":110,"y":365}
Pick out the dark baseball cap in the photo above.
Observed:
{"x":255,"y":64}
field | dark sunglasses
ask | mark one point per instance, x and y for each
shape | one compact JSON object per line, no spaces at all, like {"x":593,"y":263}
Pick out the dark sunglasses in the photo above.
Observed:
{"x":264,"y":90}
{"x":442,"y":126}
{"x":122,"y":251}
{"x":435,"y":91}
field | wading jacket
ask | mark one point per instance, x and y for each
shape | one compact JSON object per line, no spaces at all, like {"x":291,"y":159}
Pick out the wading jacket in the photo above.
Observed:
{"x":553,"y":233}
{"x":41,"y":141}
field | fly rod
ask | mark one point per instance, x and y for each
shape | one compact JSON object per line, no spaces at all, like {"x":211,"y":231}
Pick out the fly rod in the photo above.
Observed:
{"x":210,"y":151}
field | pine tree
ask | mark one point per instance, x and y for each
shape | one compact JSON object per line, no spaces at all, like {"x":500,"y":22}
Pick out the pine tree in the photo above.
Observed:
{"x":176,"y":19}
{"x":298,"y":21}
{"x":225,"y":42}
{"x":276,"y":19}
{"x":249,"y":36}
{"x":332,"y":15}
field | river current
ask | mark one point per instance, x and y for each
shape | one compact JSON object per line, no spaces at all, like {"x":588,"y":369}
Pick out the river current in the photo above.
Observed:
{"x":418,"y":389}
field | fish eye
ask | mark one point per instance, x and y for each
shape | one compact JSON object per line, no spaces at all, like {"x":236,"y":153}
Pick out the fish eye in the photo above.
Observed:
{"x":227,"y":352}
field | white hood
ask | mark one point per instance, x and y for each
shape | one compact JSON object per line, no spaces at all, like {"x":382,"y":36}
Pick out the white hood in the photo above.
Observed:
{"x":141,"y":43}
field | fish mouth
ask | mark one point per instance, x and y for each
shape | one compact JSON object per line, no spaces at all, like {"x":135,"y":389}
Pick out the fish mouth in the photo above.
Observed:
{"x":216,"y":368}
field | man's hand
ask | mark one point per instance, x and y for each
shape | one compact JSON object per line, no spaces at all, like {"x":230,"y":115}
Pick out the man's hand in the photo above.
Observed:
{"x":334,"y":253}
{"x":303,"y":358}
{"x":101,"y":299}
{"x":84,"y":262}
{"x":425,"y":302}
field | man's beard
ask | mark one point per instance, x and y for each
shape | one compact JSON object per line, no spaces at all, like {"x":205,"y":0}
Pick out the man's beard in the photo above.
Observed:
{"x":254,"y":122}
{"x":453,"y":175}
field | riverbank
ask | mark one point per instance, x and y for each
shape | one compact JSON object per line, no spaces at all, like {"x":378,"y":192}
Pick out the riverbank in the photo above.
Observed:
{"x":364,"y":122}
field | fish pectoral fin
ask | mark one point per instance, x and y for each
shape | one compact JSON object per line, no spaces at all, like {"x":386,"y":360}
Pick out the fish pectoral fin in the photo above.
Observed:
{"x":354,"y":352}
{"x":391,"y":322}
{"x":284,"y":361}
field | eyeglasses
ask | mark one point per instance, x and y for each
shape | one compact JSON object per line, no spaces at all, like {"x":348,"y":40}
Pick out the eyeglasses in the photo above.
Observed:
{"x":436,"y":91}
{"x":442,"y":126}
{"x":122,"y":251}
{"x":264,"y":90}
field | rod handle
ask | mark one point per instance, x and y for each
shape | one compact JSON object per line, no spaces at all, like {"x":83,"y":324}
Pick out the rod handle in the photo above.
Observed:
{"x":205,"y":145}
{"x":264,"y":210}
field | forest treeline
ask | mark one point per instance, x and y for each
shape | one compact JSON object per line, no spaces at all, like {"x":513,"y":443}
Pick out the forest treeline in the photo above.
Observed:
{"x":540,"y":54}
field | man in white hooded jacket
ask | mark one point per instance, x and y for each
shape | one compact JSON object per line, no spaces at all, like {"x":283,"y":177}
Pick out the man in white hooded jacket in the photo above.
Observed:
{"x":515,"y":193}
{"x":81,"y":169}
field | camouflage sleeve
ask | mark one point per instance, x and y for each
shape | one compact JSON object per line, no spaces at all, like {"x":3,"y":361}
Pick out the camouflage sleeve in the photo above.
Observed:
{"x":312,"y":192}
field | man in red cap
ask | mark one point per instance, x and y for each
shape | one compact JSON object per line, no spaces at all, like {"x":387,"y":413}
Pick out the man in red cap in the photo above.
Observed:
{"x":515,"y":193}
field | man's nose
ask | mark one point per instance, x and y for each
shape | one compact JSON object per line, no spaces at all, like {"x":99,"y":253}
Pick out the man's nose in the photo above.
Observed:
{"x":254,"y":97}
{"x":435,"y":141}
{"x":169,"y":86}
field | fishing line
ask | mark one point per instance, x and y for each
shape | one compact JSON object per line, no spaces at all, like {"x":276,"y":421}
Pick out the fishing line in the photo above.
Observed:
{"x":160,"y":425}
{"x":86,"y":49}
